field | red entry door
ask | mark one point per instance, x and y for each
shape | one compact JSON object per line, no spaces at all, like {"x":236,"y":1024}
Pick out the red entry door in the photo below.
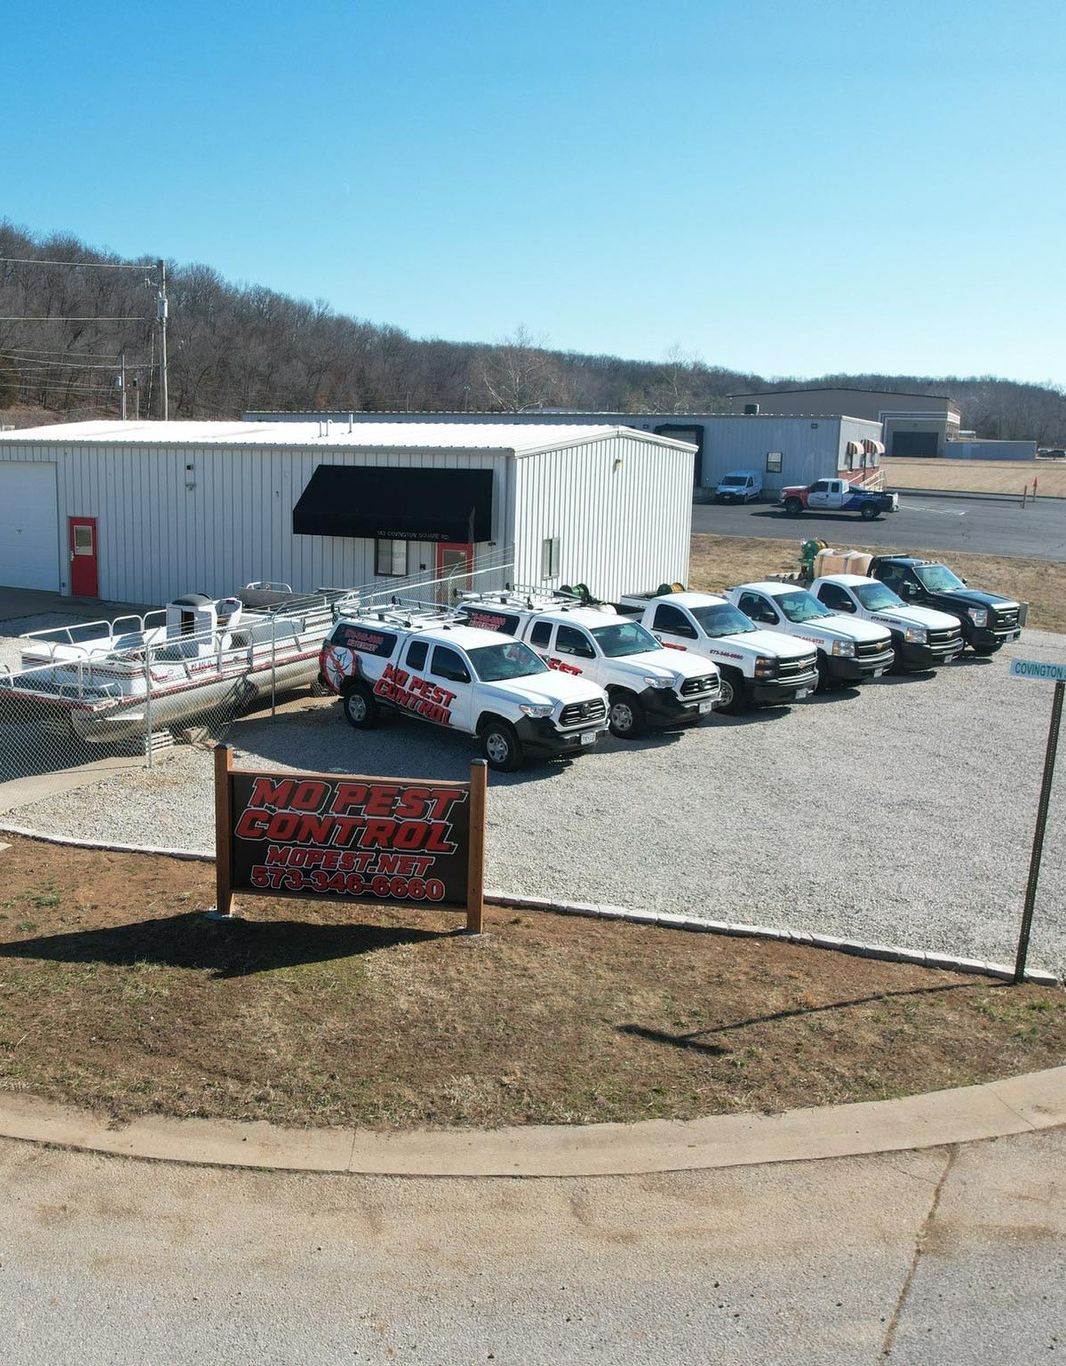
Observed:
{"x":84,"y":582}
{"x":454,"y":563}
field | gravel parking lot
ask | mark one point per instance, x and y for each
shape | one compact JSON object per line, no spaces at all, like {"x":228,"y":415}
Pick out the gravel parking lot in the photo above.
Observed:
{"x":899,"y":813}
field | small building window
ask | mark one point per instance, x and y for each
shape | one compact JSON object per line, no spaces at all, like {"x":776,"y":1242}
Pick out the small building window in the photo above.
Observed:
{"x":549,"y":558}
{"x":390,"y":558}
{"x":773,"y":462}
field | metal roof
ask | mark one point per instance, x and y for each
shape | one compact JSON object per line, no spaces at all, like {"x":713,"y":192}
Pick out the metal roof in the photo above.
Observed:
{"x":499,"y":437}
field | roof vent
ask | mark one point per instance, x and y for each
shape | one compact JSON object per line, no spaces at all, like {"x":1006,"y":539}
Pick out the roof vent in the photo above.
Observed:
{"x":751,"y":409}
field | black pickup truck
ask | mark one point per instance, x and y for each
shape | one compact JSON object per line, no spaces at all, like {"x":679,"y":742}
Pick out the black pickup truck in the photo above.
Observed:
{"x":988,"y":620}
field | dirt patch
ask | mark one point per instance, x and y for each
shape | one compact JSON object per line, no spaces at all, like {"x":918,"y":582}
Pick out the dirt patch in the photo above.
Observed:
{"x":116,"y":994}
{"x":721,"y":561}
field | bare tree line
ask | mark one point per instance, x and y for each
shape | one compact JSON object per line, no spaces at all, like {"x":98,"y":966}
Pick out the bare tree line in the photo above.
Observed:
{"x":234,"y":347}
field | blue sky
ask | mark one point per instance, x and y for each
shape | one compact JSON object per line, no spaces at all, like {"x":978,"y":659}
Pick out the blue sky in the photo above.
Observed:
{"x":791,"y":188}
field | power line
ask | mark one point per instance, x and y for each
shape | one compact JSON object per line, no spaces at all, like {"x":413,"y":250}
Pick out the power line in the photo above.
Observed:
{"x":76,"y":265}
{"x":132,"y":318}
{"x":36,"y":363}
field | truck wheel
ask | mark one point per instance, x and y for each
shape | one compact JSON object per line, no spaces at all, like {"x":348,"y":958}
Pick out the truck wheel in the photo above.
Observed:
{"x":868,"y":512}
{"x":826,"y":683}
{"x":793,"y":507}
{"x":986,"y":650}
{"x":733,"y":697}
{"x":360,"y":709}
{"x":627,"y":716}
{"x":500,"y":745}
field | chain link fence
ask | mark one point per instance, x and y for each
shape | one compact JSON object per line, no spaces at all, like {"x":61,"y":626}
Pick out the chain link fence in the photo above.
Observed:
{"x":134,"y":687}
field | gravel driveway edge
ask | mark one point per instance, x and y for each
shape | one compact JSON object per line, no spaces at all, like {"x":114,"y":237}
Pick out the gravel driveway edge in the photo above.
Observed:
{"x":856,"y":947}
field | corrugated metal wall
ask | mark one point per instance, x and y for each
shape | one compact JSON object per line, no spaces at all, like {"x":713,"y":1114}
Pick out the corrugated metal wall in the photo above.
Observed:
{"x":164,"y":529}
{"x":621,"y":508}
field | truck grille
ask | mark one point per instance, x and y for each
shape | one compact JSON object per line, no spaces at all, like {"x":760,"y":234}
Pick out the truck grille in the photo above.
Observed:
{"x":945,"y":637}
{"x":691,"y":686}
{"x":1005,"y":618}
{"x":864,"y":649}
{"x":791,"y":668}
{"x":577,"y":712}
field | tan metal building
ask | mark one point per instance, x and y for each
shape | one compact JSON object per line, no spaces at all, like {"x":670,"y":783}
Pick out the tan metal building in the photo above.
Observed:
{"x":913,"y":424}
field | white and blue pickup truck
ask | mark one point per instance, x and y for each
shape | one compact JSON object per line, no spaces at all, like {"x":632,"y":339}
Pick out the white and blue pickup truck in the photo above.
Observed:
{"x":757,"y":666}
{"x":922,"y":638}
{"x":647,"y":685}
{"x":424,"y":663}
{"x":837,"y":495}
{"x":849,"y":650}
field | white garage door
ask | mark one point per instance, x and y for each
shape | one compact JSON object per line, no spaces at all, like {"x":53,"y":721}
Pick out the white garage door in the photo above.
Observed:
{"x":29,"y":531}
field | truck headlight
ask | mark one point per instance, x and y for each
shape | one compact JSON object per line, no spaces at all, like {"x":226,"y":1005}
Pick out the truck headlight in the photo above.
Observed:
{"x":917,"y":635}
{"x":765,"y":667}
{"x":978,"y":615}
{"x":538,"y":709}
{"x":654,"y":682}
{"x":843,"y":647}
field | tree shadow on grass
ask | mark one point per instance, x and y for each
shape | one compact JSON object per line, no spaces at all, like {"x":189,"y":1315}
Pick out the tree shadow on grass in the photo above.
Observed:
{"x":237,"y":948}
{"x":694,"y":1040}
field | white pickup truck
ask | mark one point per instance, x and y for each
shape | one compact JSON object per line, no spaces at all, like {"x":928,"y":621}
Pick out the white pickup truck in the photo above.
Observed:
{"x":647,"y":685}
{"x":849,"y":650}
{"x":922,"y":638}
{"x":756,"y":665}
{"x":425,"y":663}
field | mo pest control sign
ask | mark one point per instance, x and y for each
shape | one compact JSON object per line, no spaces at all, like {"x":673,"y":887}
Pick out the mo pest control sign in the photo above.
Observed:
{"x":350,"y":838}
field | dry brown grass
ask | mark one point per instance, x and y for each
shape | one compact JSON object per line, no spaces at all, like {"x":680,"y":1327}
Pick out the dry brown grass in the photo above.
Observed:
{"x":720,"y":561}
{"x":116,"y":994}
{"x":977,"y":476}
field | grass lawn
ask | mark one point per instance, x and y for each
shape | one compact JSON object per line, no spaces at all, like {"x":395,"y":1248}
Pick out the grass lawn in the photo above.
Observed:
{"x":720,"y":561}
{"x":116,"y":994}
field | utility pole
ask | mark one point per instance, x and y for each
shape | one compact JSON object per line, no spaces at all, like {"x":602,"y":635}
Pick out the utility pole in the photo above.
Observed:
{"x":122,"y":381}
{"x":136,"y":398}
{"x":161,"y":316}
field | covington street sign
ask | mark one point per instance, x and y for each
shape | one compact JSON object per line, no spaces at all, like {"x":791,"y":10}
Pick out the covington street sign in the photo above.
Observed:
{"x":1038,"y":669}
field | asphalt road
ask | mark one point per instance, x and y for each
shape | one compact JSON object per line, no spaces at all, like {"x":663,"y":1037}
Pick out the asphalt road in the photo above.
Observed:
{"x":988,"y":526}
{"x":947,"y":1255}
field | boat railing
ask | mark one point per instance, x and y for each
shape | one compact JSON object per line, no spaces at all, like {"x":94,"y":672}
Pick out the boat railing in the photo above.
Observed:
{"x":85,"y":632}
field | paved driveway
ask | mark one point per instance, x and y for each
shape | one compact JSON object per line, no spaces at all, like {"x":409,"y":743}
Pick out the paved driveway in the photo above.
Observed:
{"x":924,"y":522}
{"x":948,"y":1255}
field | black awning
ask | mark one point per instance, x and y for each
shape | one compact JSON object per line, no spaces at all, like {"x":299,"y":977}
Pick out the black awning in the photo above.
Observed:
{"x":396,"y":504}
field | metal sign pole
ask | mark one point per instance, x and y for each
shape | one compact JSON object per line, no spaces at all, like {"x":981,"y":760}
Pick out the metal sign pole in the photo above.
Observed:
{"x":1038,"y":836}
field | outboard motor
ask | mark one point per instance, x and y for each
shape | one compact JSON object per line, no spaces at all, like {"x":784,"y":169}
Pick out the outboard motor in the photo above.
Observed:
{"x":203,"y":623}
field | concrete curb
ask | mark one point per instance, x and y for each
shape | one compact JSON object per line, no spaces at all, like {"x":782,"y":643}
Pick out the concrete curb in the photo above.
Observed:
{"x":856,"y":947}
{"x":967,"y":1114}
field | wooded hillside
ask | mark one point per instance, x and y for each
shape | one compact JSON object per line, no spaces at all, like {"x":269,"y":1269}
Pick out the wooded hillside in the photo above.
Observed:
{"x":234,"y":347}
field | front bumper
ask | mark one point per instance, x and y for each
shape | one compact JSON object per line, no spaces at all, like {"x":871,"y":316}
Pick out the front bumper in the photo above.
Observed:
{"x":663,"y":707}
{"x":919,"y":657}
{"x":854,"y":668}
{"x":782,"y":690}
{"x":989,"y":637}
{"x":539,"y":735}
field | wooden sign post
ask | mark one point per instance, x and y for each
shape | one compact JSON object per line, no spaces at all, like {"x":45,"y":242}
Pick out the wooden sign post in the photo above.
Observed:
{"x":371,"y":841}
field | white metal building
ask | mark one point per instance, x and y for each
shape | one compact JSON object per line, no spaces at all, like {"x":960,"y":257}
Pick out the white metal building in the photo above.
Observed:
{"x":787,"y":449}
{"x":143,"y":511}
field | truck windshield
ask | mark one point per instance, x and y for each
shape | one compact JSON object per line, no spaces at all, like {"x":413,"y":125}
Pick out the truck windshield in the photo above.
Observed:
{"x":877,"y":597}
{"x":801,"y":606}
{"x":938,"y":578}
{"x":734,"y":479}
{"x":722,"y":619}
{"x":494,"y":663}
{"x":625,"y":638}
